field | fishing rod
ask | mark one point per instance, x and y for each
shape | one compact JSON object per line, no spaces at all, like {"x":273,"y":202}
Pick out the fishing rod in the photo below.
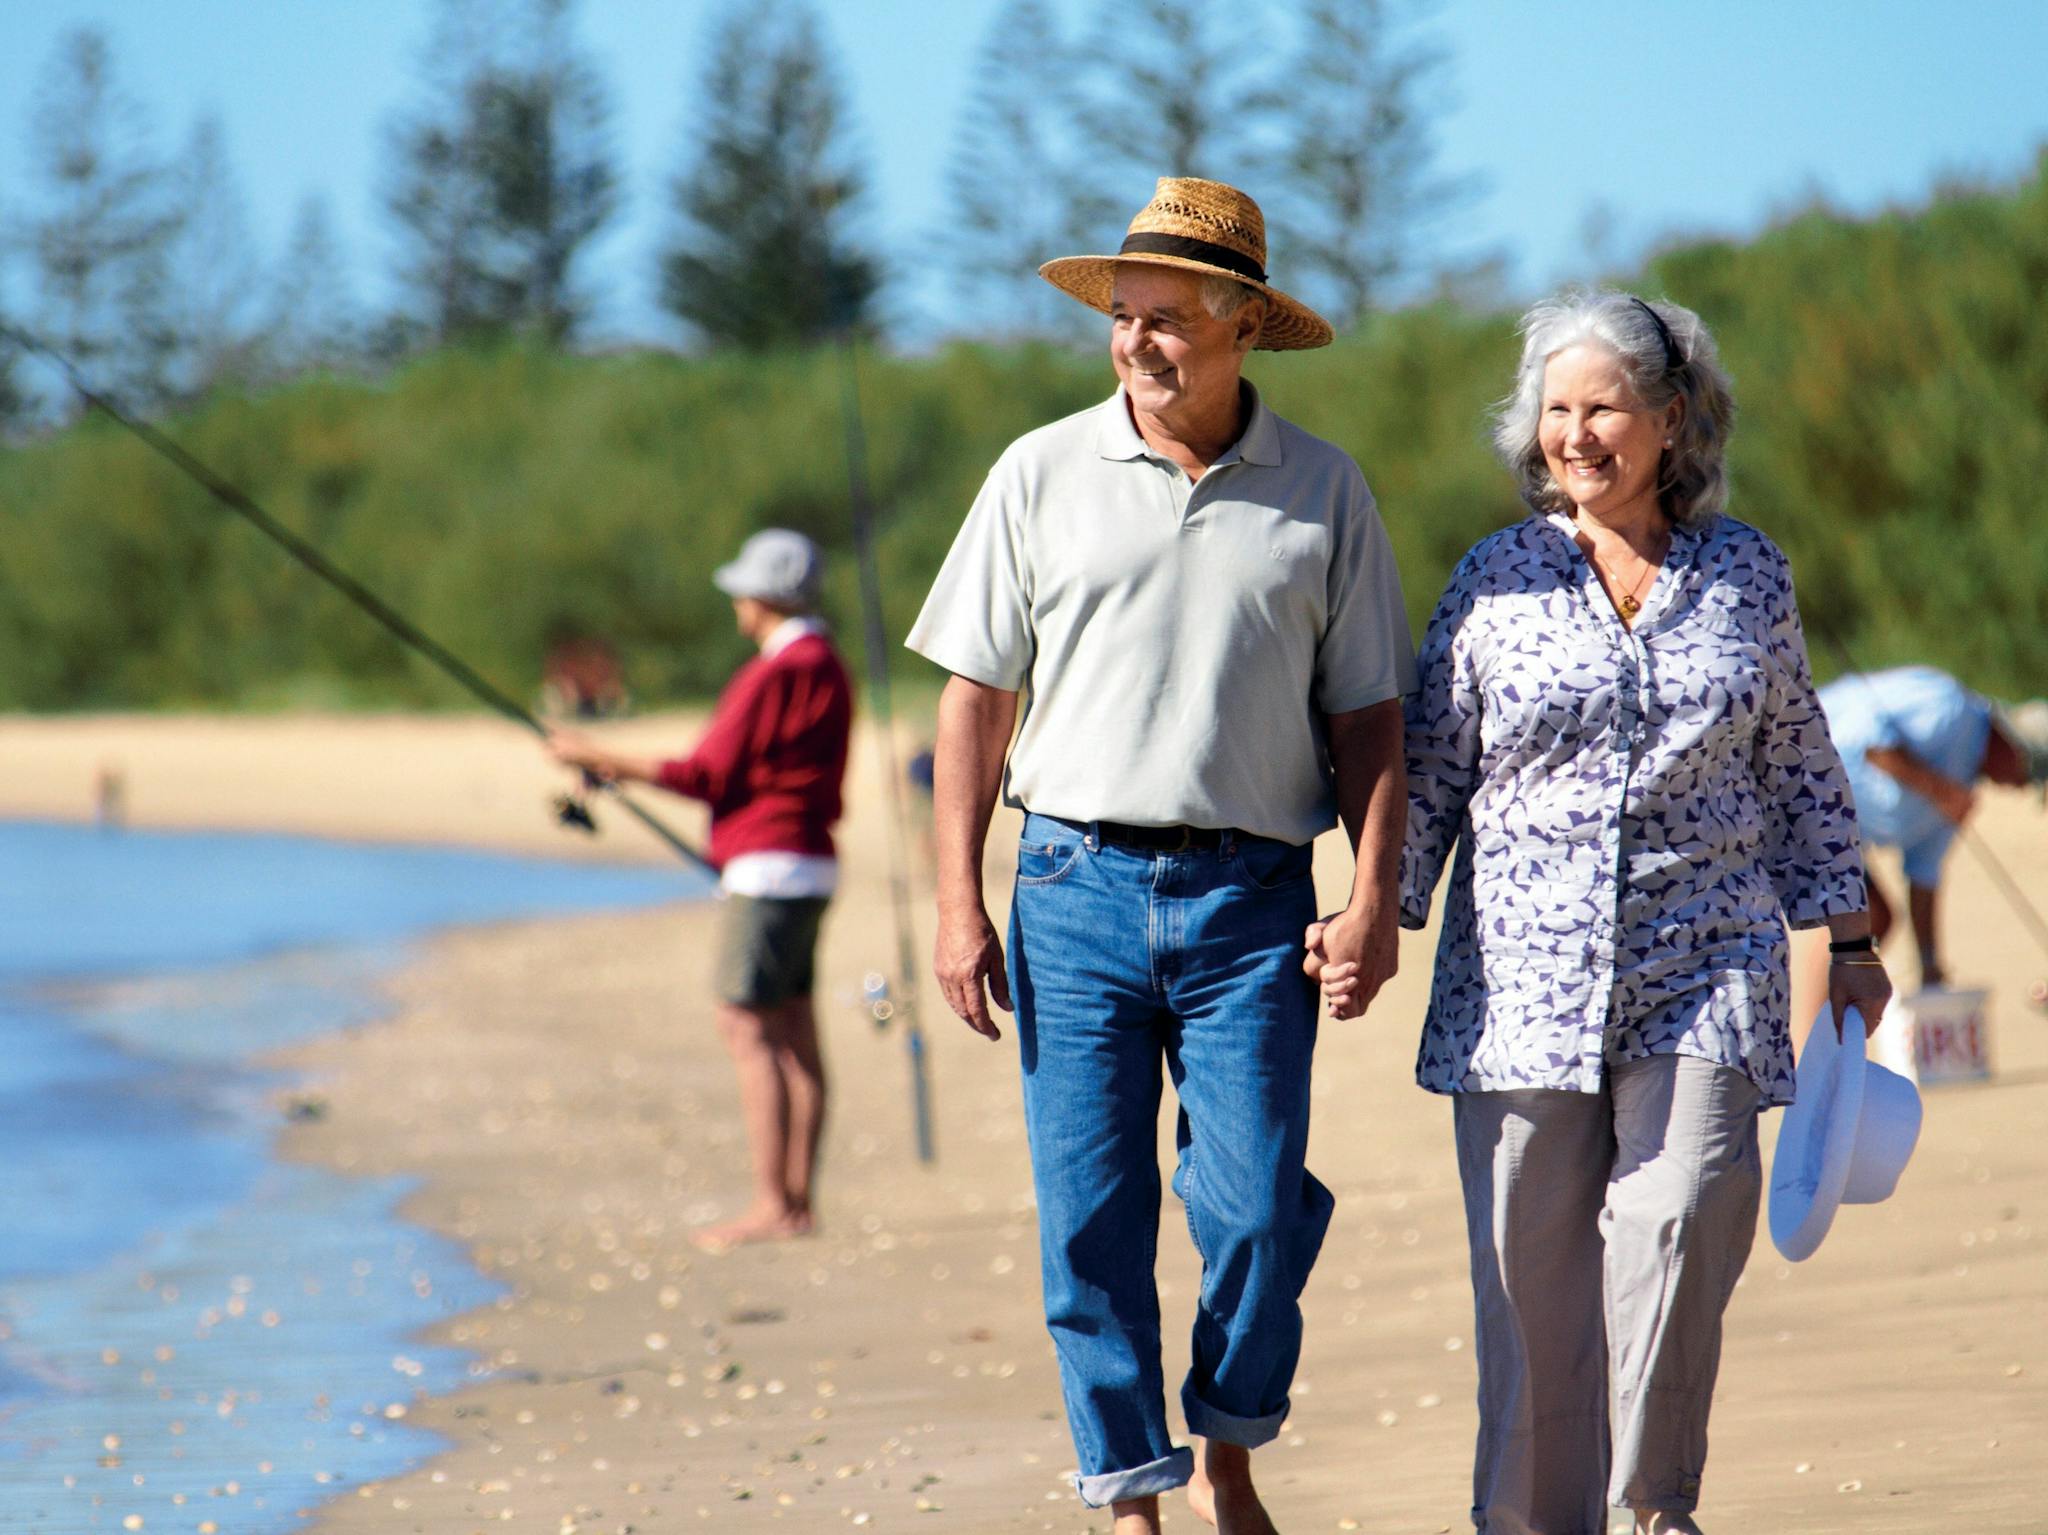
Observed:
{"x":2016,"y":897}
{"x":394,"y":622}
{"x":875,"y":642}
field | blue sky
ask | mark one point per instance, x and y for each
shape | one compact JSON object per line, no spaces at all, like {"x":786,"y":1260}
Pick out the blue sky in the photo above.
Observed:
{"x":1672,"y":117}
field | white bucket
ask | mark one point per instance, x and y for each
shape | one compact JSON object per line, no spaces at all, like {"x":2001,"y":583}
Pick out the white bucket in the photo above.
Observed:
{"x":1937,"y":1035}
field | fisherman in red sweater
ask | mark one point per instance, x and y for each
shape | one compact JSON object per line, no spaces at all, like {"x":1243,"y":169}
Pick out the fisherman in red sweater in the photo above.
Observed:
{"x":770,"y":767}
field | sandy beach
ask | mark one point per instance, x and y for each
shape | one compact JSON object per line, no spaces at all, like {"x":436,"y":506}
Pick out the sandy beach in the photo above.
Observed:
{"x":559,"y":1088}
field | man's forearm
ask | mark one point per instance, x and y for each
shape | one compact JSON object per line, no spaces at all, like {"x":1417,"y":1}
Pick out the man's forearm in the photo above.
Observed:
{"x":1372,"y":797}
{"x":1907,"y":770}
{"x":574,"y":749}
{"x":637,"y":769}
{"x":967,"y":773}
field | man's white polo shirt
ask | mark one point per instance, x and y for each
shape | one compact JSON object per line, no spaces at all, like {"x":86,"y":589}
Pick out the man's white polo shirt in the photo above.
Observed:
{"x":1177,"y":643}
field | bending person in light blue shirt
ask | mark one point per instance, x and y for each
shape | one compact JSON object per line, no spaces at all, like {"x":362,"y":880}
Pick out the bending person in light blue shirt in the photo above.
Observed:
{"x":1916,"y":742}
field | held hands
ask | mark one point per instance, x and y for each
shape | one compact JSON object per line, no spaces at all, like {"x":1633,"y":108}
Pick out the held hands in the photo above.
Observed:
{"x":1351,"y":956}
{"x":967,"y":956}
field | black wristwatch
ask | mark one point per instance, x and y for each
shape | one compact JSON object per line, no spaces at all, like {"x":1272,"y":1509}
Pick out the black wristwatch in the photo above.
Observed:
{"x":1864,"y":945}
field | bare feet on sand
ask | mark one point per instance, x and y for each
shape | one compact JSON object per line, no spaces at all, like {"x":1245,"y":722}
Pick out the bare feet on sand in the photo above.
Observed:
{"x":774,"y":1223}
{"x":1222,"y":1493}
{"x":1664,"y":1521}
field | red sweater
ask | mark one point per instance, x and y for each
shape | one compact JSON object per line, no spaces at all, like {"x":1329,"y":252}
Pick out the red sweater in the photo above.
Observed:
{"x":771,"y":763}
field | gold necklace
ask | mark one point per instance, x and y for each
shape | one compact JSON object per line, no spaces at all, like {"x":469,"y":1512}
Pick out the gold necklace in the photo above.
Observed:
{"x":1628,"y":603}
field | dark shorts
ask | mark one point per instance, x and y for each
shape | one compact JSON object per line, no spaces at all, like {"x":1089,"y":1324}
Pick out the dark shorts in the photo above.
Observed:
{"x":767,"y":949}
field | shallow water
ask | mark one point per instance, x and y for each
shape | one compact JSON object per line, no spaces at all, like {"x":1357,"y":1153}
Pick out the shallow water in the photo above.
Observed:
{"x":190,"y":1330}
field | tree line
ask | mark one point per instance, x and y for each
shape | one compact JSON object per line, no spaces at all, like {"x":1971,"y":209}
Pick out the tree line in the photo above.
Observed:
{"x":503,"y":169}
{"x":1892,"y":374}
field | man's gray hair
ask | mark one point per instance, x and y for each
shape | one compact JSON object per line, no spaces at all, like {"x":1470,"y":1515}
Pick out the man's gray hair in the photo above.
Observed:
{"x":1666,"y":354}
{"x":1224,"y":296}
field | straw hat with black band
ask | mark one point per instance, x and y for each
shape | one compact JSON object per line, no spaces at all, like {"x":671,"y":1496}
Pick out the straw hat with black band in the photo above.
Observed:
{"x":1203,"y":227}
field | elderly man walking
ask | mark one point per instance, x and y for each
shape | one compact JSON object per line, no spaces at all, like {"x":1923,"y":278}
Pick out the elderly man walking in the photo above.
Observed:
{"x":1194,"y":607}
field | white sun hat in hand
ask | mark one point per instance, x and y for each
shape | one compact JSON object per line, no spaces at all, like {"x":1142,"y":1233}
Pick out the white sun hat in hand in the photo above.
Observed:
{"x":1845,"y":1140}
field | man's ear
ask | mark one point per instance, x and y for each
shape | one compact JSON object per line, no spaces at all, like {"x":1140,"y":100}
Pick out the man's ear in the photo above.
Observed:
{"x":1251,"y":319}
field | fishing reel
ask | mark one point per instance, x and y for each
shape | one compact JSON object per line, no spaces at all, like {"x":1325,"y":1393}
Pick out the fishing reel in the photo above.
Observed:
{"x":573,"y":811}
{"x":572,"y":807}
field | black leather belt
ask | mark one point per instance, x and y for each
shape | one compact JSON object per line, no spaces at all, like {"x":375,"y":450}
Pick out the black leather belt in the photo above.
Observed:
{"x":1160,"y":839}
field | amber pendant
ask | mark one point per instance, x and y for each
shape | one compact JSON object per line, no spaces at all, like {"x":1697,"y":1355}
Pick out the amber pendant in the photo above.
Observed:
{"x":1629,"y":608}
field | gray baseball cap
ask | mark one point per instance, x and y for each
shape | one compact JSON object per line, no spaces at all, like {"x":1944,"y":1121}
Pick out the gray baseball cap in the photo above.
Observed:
{"x":775,"y":565}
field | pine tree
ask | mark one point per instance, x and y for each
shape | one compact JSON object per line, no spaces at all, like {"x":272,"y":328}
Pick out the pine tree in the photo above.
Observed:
{"x":503,"y":174}
{"x":16,"y":403}
{"x":213,"y":267}
{"x":539,"y":131}
{"x":764,"y":256}
{"x":1017,"y":195}
{"x":1355,"y":182}
{"x":101,"y":242}
{"x":1173,"y":90}
{"x":311,"y":321}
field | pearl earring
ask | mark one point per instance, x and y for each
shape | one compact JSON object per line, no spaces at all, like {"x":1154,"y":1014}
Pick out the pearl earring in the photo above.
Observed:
{"x":1667,"y":442}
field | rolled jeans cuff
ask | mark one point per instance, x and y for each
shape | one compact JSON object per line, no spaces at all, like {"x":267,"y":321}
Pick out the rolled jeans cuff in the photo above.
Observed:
{"x":1156,"y":1476}
{"x":1208,"y":1422}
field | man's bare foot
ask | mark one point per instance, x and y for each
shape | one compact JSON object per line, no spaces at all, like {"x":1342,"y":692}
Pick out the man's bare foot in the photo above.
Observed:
{"x":1664,"y":1521}
{"x":756,"y":1225}
{"x":1202,"y":1494}
{"x":1135,"y":1516}
{"x":1221,"y":1491}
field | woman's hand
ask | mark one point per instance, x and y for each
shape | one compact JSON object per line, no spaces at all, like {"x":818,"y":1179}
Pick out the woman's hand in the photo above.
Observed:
{"x":1858,"y":981}
{"x":1339,"y":983}
{"x":1314,"y":960}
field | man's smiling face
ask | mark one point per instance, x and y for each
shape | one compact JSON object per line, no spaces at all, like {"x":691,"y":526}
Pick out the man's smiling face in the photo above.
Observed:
{"x":1171,"y":353}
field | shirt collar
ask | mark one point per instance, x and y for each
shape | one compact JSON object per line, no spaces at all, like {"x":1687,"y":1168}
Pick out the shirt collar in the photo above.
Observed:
{"x":1676,"y":572}
{"x":1681,"y":535}
{"x":1116,"y":435}
{"x":789,"y":631}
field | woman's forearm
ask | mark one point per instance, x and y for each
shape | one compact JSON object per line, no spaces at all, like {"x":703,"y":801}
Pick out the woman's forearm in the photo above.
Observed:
{"x":1849,"y":926}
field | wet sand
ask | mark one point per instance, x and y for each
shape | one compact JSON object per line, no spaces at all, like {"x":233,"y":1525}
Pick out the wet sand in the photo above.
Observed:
{"x":559,"y":1087}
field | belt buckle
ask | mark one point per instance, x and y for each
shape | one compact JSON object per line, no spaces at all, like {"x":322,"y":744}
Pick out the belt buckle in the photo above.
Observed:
{"x":1184,"y":841}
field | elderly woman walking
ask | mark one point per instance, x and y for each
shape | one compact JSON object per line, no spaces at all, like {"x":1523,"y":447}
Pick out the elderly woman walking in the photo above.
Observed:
{"x":1617,"y":729}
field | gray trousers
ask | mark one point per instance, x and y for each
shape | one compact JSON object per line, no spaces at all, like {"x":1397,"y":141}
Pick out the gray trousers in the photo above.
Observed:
{"x":1608,"y":1230}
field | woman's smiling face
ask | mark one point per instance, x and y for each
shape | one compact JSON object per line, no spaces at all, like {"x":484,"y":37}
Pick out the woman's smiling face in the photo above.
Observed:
{"x":1604,"y":447}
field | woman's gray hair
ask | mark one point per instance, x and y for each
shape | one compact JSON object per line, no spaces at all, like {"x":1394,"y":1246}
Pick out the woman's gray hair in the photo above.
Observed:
{"x":1666,"y":354}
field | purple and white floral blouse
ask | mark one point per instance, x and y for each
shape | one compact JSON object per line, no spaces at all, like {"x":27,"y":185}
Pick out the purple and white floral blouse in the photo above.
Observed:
{"x":1637,"y":813}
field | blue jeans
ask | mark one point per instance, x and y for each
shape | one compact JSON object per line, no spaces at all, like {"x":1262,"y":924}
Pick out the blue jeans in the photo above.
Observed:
{"x":1119,"y":959}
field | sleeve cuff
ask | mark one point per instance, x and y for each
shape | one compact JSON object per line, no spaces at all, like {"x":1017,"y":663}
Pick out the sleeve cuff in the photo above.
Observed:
{"x":1353,"y":699}
{"x":975,"y":668}
{"x":1814,"y":909}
